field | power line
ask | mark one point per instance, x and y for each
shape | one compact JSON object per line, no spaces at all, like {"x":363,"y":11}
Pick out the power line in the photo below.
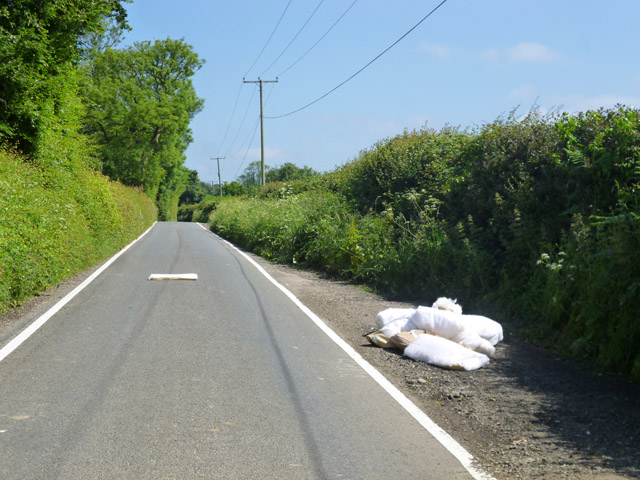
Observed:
{"x":269,"y":39}
{"x":363,"y":68}
{"x":235,"y":105}
{"x":294,"y":37}
{"x":266,"y":102}
{"x":240,"y":89}
{"x":319,"y":40}
{"x":244,"y":117}
{"x":255,"y":129}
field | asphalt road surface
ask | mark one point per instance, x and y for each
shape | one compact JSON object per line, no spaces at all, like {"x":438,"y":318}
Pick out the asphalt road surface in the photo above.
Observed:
{"x":219,"y":378}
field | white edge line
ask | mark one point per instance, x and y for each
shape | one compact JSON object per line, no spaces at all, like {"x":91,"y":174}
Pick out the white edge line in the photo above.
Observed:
{"x":31,"y":329}
{"x":457,"y":450}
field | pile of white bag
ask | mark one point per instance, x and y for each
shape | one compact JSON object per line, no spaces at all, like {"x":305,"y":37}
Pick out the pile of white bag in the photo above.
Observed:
{"x":439,"y":335}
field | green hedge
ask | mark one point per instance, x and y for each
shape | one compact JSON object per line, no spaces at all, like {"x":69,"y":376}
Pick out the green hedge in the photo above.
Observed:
{"x":534,"y":221}
{"x":58,"y":218}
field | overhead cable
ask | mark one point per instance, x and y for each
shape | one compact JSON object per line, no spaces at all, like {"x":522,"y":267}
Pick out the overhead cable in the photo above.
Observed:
{"x":269,"y":39}
{"x":244,"y":117}
{"x":235,"y":105}
{"x":319,"y":40}
{"x":255,"y":129}
{"x":294,"y":37}
{"x":363,"y":68}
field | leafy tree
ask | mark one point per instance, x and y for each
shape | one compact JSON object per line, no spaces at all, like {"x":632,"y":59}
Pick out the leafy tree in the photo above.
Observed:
{"x":209,"y":188}
{"x":39,"y":46}
{"x":234,"y":189}
{"x":289,"y":172}
{"x":195,"y":189}
{"x":140,"y":102}
{"x":252,"y":175}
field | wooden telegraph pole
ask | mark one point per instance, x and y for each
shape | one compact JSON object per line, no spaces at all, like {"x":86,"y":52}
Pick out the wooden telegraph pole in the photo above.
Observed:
{"x":260,"y":82}
{"x":219,"y":180}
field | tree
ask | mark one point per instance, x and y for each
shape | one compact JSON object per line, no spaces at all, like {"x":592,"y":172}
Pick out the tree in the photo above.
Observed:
{"x":39,"y":47}
{"x":251,"y":177}
{"x":140,"y":103}
{"x":234,"y":189}
{"x":195,"y":190}
{"x":289,"y":172}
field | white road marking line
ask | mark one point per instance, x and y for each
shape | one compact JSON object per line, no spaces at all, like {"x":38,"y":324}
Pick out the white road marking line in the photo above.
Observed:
{"x":173,"y":276}
{"x":457,"y":450}
{"x":31,"y":329}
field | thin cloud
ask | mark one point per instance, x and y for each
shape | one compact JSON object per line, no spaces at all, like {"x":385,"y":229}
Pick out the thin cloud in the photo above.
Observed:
{"x":437,"y":50}
{"x":532,"y":52}
{"x":523,"y":93}
{"x":524,"y":52}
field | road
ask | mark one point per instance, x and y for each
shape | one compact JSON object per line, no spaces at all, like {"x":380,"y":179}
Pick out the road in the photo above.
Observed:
{"x":219,"y":378}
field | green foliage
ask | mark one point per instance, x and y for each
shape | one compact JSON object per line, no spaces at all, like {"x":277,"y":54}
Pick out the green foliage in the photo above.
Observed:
{"x":170,"y":191}
{"x":251,"y":177}
{"x":234,"y":189}
{"x":140,"y":101}
{"x":203,"y":210}
{"x":39,"y":43}
{"x":534,"y":221}
{"x":422,"y":162}
{"x":281,"y":228}
{"x":285,"y":189}
{"x":57,"y":220}
{"x":289,"y":172}
{"x":195,"y":190}
{"x":185,"y":212}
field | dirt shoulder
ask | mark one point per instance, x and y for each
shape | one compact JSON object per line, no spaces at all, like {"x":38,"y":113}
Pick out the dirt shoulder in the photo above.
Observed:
{"x":526,"y":415}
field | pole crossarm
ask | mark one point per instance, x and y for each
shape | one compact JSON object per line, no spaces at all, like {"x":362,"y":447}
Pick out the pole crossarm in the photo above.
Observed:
{"x":260,"y":82}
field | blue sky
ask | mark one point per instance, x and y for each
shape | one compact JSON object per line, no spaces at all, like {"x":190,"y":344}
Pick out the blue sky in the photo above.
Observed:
{"x":469,"y":63}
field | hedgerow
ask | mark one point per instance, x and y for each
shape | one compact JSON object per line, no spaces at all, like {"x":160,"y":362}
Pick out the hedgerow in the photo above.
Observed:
{"x":57,"y":218}
{"x":535,"y":221}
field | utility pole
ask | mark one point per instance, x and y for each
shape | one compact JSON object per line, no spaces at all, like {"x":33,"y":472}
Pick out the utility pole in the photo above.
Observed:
{"x":219,"y":180}
{"x":260,"y":82}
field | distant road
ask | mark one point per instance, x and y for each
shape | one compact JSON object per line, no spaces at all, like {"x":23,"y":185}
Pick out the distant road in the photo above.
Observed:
{"x":218,"y":378}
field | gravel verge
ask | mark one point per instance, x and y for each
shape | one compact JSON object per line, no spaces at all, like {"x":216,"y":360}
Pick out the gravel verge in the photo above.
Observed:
{"x":528,"y":414}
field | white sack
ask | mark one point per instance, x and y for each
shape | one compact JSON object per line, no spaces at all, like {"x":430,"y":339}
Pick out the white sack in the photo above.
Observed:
{"x":394,"y":327}
{"x":441,"y":322}
{"x":444,"y":303}
{"x":392,"y":314}
{"x":470,"y":339}
{"x":444,"y":353}
{"x":488,"y":329}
